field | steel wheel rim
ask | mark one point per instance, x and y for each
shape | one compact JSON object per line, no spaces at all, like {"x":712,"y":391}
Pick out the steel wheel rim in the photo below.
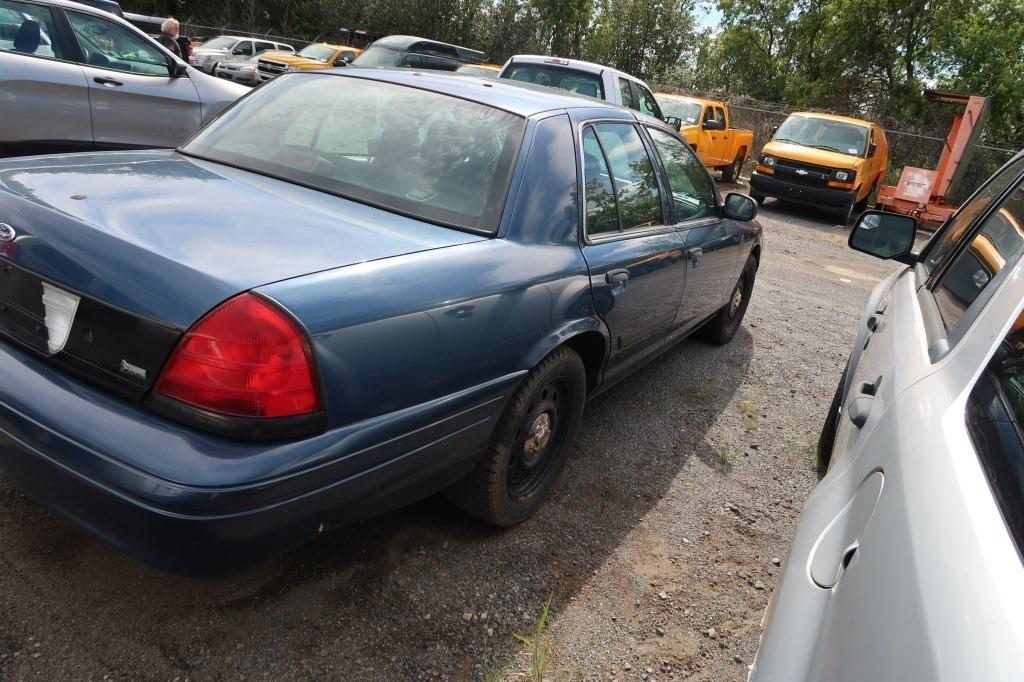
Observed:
{"x":539,"y":438}
{"x":736,"y":301}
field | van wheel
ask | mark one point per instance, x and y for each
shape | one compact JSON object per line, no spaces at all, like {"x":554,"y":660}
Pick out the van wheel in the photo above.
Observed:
{"x":530,"y":443}
{"x":846,"y":213}
{"x":720,"y":329}
{"x":732,"y":171}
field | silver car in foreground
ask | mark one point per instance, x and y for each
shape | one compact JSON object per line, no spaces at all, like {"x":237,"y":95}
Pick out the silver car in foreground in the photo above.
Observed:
{"x":75,"y":78}
{"x":907,"y":560}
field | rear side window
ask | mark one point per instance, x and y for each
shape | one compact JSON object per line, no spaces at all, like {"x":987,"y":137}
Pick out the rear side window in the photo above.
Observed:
{"x":995,"y":415}
{"x":553,"y":76}
{"x":997,"y":245}
{"x":628,"y":100}
{"x":620,"y":180}
{"x":648,"y":104}
{"x":27,"y":29}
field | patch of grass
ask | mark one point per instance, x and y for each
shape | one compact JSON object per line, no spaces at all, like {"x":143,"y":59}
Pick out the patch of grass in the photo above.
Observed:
{"x":494,"y":667}
{"x":751,"y":413}
{"x":540,"y":652}
{"x":697,"y":397}
{"x":724,"y":456}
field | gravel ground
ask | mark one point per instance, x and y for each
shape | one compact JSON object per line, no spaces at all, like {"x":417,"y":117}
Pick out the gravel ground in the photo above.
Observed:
{"x":658,"y":551}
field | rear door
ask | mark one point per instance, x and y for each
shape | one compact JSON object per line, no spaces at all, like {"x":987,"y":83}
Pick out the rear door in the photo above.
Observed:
{"x":134,"y":101}
{"x":634,"y":254}
{"x":36,"y":73}
{"x":711,"y":242}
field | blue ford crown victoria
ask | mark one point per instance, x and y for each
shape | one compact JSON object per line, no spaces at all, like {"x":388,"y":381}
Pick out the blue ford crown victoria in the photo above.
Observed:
{"x":350,"y":291}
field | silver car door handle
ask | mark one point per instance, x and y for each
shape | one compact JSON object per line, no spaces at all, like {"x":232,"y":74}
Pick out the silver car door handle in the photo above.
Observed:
{"x":109,"y":82}
{"x":860,"y":407}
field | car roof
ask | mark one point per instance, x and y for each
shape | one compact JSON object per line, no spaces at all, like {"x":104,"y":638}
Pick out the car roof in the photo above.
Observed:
{"x":524,"y":99}
{"x":577,"y":64}
{"x":833,"y":117}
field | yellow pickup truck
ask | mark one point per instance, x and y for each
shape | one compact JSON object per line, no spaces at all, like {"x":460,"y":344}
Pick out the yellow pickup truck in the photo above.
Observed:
{"x":309,"y":58}
{"x":705,"y":125}
{"x":833,"y":162}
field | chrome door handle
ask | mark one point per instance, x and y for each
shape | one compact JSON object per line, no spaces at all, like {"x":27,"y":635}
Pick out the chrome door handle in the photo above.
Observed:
{"x":696,"y":256}
{"x":109,"y":82}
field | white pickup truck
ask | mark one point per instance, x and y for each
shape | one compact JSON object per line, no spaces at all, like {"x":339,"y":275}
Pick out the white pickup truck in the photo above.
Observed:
{"x":583,"y":78}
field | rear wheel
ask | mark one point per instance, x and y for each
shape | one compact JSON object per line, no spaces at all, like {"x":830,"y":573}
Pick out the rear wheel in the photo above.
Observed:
{"x":732,"y":171}
{"x":530,"y":443}
{"x":720,"y":329}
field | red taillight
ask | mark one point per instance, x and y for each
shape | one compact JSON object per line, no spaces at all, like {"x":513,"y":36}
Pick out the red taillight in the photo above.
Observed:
{"x":245,"y":358}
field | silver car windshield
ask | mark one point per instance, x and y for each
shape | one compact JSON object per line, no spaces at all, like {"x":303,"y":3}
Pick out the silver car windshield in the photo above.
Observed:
{"x":220,"y":43}
{"x":408,"y":150}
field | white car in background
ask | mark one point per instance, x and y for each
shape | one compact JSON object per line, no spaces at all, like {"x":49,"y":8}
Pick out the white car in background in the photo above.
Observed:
{"x":98,"y":84}
{"x":907,"y":560}
{"x":207,"y":56}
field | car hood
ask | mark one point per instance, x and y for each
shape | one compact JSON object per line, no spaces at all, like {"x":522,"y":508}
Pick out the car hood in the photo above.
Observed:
{"x":168,"y":237}
{"x":292,"y":59}
{"x":818,"y":157}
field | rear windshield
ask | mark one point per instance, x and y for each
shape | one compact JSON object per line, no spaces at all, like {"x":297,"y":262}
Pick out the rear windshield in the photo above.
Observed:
{"x":554,"y":76}
{"x":822,"y":133}
{"x":407,"y":150}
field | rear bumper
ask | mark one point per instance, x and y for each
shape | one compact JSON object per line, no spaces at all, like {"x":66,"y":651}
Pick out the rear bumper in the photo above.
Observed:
{"x":827,"y":197}
{"x":192,"y":503}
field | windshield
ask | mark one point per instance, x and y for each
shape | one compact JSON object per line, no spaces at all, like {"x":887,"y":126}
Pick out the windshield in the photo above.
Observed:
{"x":477,"y":71}
{"x":687,"y":112}
{"x":379,"y":56}
{"x":321,"y":53}
{"x":221,"y":43}
{"x":554,"y":76}
{"x":411,"y":151}
{"x":822,"y":133}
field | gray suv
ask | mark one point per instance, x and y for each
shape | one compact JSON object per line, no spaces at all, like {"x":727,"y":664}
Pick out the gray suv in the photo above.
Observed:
{"x":907,"y":560}
{"x":78,"y":78}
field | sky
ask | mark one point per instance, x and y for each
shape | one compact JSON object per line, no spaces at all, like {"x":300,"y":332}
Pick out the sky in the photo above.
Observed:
{"x":708,"y":15}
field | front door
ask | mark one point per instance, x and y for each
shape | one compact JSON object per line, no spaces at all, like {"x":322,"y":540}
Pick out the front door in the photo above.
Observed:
{"x":635,"y":257}
{"x":711,"y":243}
{"x":135,"y":102}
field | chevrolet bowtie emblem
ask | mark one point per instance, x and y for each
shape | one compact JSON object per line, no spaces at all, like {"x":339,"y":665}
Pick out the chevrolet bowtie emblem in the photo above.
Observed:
{"x":801,"y":171}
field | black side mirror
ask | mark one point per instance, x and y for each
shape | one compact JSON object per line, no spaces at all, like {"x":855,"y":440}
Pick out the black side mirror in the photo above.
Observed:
{"x":884,"y":235}
{"x":872,"y":149}
{"x":176,"y":69}
{"x":740,"y":207}
{"x":674,"y":121}
{"x":712,"y":125}
{"x":238,"y":50}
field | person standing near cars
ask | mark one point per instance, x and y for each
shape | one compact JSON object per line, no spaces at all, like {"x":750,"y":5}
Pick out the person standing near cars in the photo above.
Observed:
{"x":169,"y":35}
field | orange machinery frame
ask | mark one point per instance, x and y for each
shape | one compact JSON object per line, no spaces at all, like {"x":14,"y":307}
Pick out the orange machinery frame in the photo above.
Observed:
{"x":921,"y":192}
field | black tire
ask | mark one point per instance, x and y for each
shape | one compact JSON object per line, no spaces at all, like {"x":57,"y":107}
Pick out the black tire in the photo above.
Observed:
{"x":732,"y":171}
{"x":511,"y":480}
{"x":827,"y":438}
{"x":720,"y":329}
{"x":846,"y":213}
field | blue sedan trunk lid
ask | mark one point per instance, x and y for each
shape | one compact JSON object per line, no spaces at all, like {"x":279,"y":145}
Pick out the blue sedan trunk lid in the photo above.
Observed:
{"x":168,"y":237}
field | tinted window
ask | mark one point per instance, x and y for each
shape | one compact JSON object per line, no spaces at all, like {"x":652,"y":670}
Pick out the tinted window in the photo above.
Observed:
{"x":633,"y":176}
{"x":998,"y":244}
{"x":602,"y":213}
{"x":107,"y":45}
{"x":995,"y":413}
{"x":554,"y":76}
{"x":693,"y":191}
{"x":627,"y":94}
{"x":263,"y":47}
{"x":720,"y":116}
{"x":648,"y":104}
{"x":244,"y":47}
{"x":421,"y":153}
{"x":27,"y":29}
{"x":944,"y":241}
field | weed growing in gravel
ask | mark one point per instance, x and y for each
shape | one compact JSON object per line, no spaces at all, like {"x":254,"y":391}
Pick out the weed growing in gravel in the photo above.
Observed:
{"x":725,"y":456}
{"x":540,"y":652}
{"x":698,"y":397}
{"x":751,"y":413}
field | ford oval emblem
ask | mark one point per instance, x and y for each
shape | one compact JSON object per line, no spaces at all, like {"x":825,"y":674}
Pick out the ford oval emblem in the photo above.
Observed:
{"x":7,"y":233}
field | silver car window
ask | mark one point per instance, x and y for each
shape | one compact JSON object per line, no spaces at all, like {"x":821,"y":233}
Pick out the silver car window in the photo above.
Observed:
{"x":27,"y":29}
{"x":109,"y":46}
{"x":991,"y":250}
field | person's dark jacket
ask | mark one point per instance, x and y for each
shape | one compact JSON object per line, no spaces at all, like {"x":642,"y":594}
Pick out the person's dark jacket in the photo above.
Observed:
{"x":168,"y":41}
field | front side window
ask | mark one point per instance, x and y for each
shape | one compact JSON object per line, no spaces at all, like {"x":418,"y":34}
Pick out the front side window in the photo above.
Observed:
{"x":555,"y":76}
{"x":27,"y":29}
{"x":419,"y":153}
{"x":942,"y":244}
{"x":632,"y":176}
{"x":823,"y":133}
{"x":648,"y":104}
{"x":244,"y":47}
{"x":997,"y":245}
{"x":693,"y":191}
{"x":109,"y":46}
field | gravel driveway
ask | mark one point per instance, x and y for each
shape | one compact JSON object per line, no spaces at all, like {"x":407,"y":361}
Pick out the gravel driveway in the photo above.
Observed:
{"x":659,"y":549}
